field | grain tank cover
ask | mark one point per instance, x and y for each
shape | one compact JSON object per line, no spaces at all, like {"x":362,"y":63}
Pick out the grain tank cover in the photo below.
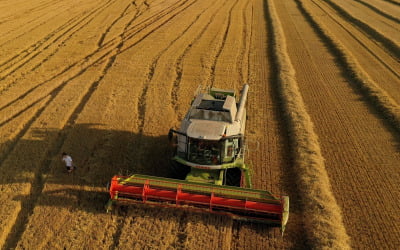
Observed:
{"x":206,"y":107}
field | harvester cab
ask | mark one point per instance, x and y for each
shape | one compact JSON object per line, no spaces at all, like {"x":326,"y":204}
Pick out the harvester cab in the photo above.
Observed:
{"x":209,"y":173}
{"x":210,"y":142}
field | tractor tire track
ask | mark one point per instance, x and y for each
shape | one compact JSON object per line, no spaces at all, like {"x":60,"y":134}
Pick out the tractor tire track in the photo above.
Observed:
{"x":70,"y":123}
{"x":179,"y":66}
{"x":23,"y":53}
{"x":77,"y":66}
{"x":63,"y":42}
{"x":38,"y":181}
{"x":151,"y":71}
{"x":37,"y":8}
{"x":29,"y":26}
{"x":244,"y":70}
{"x":101,"y":58}
{"x":220,"y":46}
{"x":107,"y":30}
{"x":157,"y":20}
{"x":69,"y":25}
{"x":58,"y":142}
{"x":44,"y":45}
{"x":170,"y":55}
{"x":149,"y":20}
{"x":59,"y":88}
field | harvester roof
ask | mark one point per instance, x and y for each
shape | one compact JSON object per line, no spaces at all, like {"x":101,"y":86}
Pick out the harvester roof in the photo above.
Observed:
{"x":208,"y":130}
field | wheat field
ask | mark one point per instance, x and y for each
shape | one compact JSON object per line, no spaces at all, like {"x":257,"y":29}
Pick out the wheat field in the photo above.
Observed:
{"x":104,"y":80}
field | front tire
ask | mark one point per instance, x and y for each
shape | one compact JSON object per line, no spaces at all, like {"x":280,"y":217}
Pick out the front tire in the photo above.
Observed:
{"x":233,"y":177}
{"x":178,"y":170}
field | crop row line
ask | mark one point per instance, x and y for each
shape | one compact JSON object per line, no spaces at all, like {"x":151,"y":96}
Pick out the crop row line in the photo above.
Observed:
{"x":30,"y":10}
{"x":251,"y":39}
{"x":179,"y":61}
{"x":23,"y":30}
{"x":89,"y":60}
{"x":380,"y":12}
{"x":388,"y":107}
{"x":243,"y":46}
{"x":49,"y":41}
{"x":153,"y":65}
{"x":392,"y":2}
{"x":247,"y":36}
{"x":219,"y":50}
{"x":390,"y":45}
{"x":104,"y":34}
{"x":371,"y":46}
{"x":86,"y":63}
{"x":143,"y":95}
{"x":20,"y":55}
{"x":324,"y":224}
{"x":38,"y":181}
{"x":12,"y":239}
{"x":135,"y":29}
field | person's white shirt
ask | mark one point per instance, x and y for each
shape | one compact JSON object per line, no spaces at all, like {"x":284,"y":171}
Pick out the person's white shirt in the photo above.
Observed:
{"x":68,"y":160}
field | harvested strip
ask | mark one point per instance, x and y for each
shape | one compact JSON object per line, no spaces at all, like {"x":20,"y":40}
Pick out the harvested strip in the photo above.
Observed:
{"x":383,"y":8}
{"x":324,"y":223}
{"x":347,"y":126}
{"x":385,"y":103}
{"x":268,"y":150}
{"x":389,"y":42}
{"x":387,"y":27}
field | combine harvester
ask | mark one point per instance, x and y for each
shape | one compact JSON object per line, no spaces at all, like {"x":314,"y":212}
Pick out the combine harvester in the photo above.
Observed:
{"x":208,"y":166}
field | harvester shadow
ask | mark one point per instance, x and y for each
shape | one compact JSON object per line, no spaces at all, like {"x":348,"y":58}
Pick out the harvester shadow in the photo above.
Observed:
{"x":99,"y":154}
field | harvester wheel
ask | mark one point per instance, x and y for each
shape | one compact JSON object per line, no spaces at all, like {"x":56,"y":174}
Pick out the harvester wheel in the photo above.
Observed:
{"x":233,"y":177}
{"x":179,"y":171}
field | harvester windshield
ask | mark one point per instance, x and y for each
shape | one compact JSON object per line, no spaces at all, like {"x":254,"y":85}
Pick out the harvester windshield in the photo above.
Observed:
{"x":206,"y":152}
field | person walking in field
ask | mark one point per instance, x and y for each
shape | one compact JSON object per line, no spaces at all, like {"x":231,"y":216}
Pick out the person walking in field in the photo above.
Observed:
{"x":68,"y":162}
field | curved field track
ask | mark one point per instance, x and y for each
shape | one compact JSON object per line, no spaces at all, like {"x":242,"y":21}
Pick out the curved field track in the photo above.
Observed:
{"x":105,"y":80}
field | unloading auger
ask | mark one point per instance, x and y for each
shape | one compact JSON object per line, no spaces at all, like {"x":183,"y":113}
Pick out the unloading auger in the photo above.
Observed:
{"x":209,"y":167}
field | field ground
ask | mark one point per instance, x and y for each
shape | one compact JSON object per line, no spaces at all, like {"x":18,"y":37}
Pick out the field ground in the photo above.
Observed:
{"x":105,"y":80}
